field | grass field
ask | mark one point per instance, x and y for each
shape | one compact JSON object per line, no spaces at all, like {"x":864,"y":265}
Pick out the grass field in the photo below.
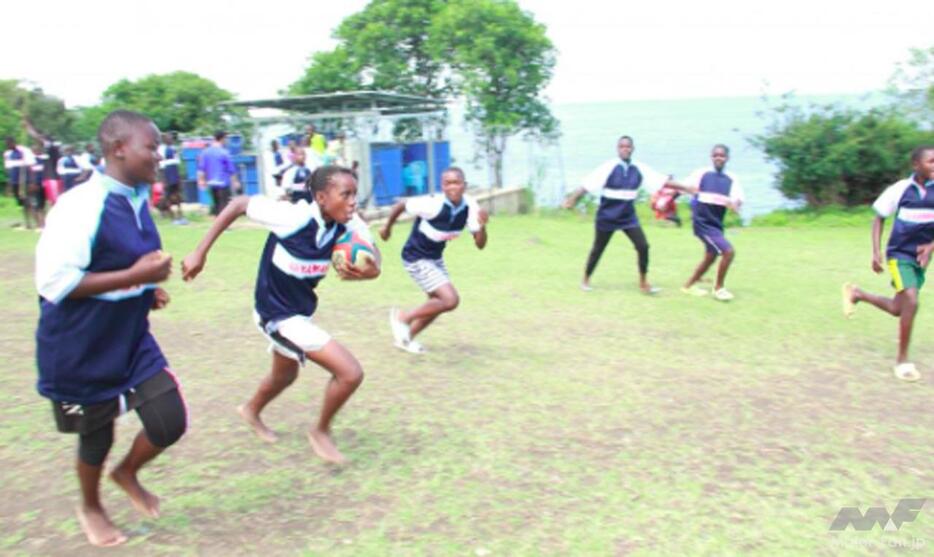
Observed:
{"x":543,"y":421}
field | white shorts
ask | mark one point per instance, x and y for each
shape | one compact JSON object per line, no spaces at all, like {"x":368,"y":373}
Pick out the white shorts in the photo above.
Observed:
{"x":428,"y":274}
{"x":293,"y":336}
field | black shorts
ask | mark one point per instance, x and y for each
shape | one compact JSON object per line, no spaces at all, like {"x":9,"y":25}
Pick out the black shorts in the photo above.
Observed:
{"x":35,"y":196}
{"x":173,"y":189}
{"x":86,"y":418}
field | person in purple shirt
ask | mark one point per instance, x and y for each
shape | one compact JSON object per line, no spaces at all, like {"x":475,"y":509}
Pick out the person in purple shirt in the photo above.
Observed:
{"x":216,"y":170}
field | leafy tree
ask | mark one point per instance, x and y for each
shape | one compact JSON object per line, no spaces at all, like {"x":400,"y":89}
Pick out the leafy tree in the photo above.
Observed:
{"x":46,"y":113}
{"x":828,"y":154}
{"x":179,"y":101}
{"x":329,"y":72}
{"x":912,"y":84}
{"x":500,"y":60}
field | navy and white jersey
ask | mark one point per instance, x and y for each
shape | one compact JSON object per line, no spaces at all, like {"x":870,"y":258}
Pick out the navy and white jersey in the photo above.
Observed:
{"x":93,"y":349}
{"x":716,"y":191}
{"x":913,"y":207}
{"x":294,"y":179}
{"x":617,"y":182}
{"x":297,"y":255}
{"x":37,"y":169}
{"x":437,"y":221}
{"x":16,"y":161}
{"x":169,"y":164}
{"x":69,"y":170}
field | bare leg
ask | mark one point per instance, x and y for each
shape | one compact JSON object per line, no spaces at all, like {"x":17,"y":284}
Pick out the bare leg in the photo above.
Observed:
{"x":441,"y":300}
{"x":125,"y":473}
{"x":92,"y":517}
{"x":908,"y":301}
{"x":701,"y":269}
{"x":725,"y":260}
{"x":888,"y":305}
{"x":346,"y":376}
{"x":283,"y":373}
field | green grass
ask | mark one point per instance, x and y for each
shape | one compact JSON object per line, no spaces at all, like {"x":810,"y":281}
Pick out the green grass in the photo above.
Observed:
{"x":543,"y":421}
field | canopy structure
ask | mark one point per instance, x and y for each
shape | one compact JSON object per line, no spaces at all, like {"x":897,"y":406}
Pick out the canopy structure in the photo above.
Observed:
{"x":359,"y":111}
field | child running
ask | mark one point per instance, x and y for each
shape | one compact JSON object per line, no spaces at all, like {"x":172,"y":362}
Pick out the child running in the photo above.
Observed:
{"x":617,"y":181}
{"x":716,"y":190}
{"x":911,"y":242}
{"x":97,"y":264}
{"x":295,"y":259}
{"x":438,"y":219}
{"x":171,"y":180}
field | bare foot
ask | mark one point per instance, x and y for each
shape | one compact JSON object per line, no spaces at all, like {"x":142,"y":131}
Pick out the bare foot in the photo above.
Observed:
{"x":144,"y":501}
{"x":98,"y":528}
{"x":259,"y":428}
{"x":323,"y":446}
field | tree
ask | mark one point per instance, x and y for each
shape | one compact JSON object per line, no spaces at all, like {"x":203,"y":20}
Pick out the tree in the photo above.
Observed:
{"x":828,"y":154}
{"x":179,"y":101}
{"x":44,"y":112}
{"x":328,"y":72}
{"x":500,"y":60}
{"x":912,"y":85}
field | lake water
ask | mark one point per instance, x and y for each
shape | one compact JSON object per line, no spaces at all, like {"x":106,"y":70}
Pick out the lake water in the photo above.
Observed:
{"x":672,"y":136}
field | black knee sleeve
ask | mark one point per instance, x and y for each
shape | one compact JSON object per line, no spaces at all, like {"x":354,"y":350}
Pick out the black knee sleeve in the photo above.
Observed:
{"x":164,"y":418}
{"x":93,"y":447}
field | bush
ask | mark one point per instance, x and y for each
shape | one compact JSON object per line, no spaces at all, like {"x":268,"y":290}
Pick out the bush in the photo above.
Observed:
{"x":832,"y":155}
{"x":832,"y":216}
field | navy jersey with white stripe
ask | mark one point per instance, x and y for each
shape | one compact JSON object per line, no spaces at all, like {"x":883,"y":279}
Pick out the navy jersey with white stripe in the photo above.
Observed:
{"x":437,"y":221}
{"x":293,"y":181}
{"x":68,"y":170}
{"x":296,"y":256}
{"x":93,"y":349}
{"x":617,"y":182}
{"x":913,"y":207}
{"x":170,"y":164}
{"x":15,"y":161}
{"x":716,"y":191}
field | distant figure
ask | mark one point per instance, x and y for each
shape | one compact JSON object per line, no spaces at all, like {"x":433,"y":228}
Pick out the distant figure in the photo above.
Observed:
{"x":89,"y":161}
{"x":279,"y":164}
{"x":216,"y":170}
{"x":617,"y":181}
{"x":295,"y":179}
{"x":911,"y":203}
{"x":337,"y":151}
{"x":17,"y":160}
{"x":171,"y":179}
{"x":35,"y":198}
{"x":315,"y":140}
{"x":68,"y":168}
{"x":716,"y":190}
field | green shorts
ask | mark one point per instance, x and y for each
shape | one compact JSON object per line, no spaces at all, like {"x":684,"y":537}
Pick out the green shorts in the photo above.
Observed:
{"x":906,"y":274}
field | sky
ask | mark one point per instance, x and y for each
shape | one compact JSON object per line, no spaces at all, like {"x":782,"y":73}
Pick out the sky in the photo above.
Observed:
{"x":607,"y":50}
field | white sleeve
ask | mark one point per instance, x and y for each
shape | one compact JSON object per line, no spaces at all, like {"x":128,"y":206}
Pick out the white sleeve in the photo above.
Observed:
{"x":8,"y":163}
{"x":358,"y":225}
{"x":282,"y":218}
{"x":473,"y":216}
{"x":425,"y":206}
{"x":887,"y":203}
{"x":29,"y":158}
{"x":64,"y":249}
{"x":161,"y":150}
{"x":737,"y":195}
{"x":60,"y":167}
{"x":694,"y":178}
{"x":652,"y":180}
{"x":595,"y":181}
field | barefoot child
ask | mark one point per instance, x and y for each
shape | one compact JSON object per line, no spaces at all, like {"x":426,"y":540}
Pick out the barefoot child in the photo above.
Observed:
{"x":911,"y":242}
{"x":296,"y":257}
{"x":617,"y":182}
{"x":97,"y":264}
{"x":716,"y":190}
{"x":438,"y":219}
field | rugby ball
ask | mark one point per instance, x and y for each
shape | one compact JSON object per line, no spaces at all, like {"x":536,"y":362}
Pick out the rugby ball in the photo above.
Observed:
{"x":352,"y":248}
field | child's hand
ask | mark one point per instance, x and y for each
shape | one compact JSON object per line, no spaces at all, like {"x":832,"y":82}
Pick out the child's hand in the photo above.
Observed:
{"x":878,"y":264}
{"x":346,"y":271}
{"x":192,"y":266}
{"x":155,"y":266}
{"x":568,"y":203}
{"x":385,"y":232}
{"x":924,"y":254}
{"x":162,"y":299}
{"x":483,"y":217}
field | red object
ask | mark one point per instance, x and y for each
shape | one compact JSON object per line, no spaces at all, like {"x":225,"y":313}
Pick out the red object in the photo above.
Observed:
{"x":663,"y":203}
{"x":158,"y":190}
{"x":53,"y":188}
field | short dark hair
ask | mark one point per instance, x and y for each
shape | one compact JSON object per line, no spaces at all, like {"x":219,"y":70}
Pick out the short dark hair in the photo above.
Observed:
{"x":622,"y":137}
{"x":117,"y":126}
{"x":322,"y":178}
{"x":919,"y":151}
{"x":456,"y":169}
{"x":720,"y":146}
{"x":219,"y":134}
